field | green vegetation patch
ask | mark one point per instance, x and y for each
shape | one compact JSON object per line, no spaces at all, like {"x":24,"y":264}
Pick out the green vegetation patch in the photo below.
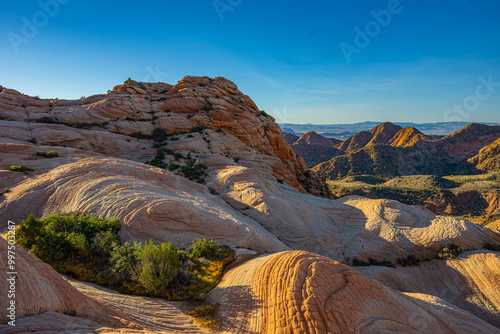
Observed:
{"x":89,"y":248}
{"x":450,"y":251}
{"x":49,"y":154}
{"x":20,"y":169}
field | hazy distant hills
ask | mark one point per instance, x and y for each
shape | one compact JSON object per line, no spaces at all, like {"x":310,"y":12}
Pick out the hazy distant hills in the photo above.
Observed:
{"x":344,"y":131}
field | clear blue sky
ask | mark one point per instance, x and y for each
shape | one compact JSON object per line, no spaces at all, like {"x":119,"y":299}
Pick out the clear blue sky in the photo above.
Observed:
{"x":286,"y":55}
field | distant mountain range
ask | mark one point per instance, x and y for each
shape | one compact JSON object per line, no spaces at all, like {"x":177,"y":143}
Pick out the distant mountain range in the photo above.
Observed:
{"x":344,"y":131}
{"x":390,"y":150}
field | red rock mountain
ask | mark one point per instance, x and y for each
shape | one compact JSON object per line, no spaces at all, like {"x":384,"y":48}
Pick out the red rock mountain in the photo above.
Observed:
{"x":407,"y":137}
{"x":381,"y":134}
{"x":409,"y":152}
{"x":312,"y":138}
{"x":290,"y":137}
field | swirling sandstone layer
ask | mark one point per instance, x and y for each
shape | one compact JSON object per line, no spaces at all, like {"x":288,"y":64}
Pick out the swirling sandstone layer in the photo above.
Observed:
{"x":301,"y":292}
{"x":469,"y":281}
{"x":38,"y":288}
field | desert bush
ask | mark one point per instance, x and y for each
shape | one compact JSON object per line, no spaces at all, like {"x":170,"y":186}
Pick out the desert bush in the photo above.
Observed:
{"x":204,"y":248}
{"x":199,"y":128}
{"x":20,"y":169}
{"x":49,"y":154}
{"x":89,"y":248}
{"x":450,"y":251}
{"x":158,"y":159}
{"x":410,"y":260}
{"x":207,"y":108}
{"x":159,"y":135}
{"x":138,"y":135}
{"x":206,"y":316}
{"x":30,"y":232}
{"x":48,"y":120}
{"x":372,"y":262}
{"x":159,"y":266}
{"x":123,"y":261}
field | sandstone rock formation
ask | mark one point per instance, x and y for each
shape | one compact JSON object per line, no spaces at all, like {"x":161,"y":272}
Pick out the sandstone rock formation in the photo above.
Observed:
{"x":469,"y":281}
{"x":139,"y":108}
{"x":302,"y":292}
{"x":39,"y":288}
{"x":256,"y":194}
{"x":150,"y":203}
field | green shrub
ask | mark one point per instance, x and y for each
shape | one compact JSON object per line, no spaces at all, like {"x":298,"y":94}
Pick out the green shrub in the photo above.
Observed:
{"x":49,"y":154}
{"x":159,"y":266}
{"x":204,"y":248}
{"x":158,"y":159}
{"x":372,"y":262}
{"x":410,"y":260}
{"x":30,"y":232}
{"x":359,"y":263}
{"x":58,"y":236}
{"x":178,"y":156}
{"x":207,"y":108}
{"x":193,"y":170}
{"x":48,"y":120}
{"x":123,"y":261}
{"x":89,"y":248}
{"x":199,"y":128}
{"x":137,"y":135}
{"x":20,"y":169}
{"x":159,"y":135}
{"x":450,"y":251}
{"x":173,"y":166}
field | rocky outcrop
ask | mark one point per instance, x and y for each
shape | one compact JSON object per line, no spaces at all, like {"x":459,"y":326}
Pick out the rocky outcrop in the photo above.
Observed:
{"x":150,"y":203}
{"x":308,"y":293}
{"x":469,"y":281}
{"x":138,"y":108}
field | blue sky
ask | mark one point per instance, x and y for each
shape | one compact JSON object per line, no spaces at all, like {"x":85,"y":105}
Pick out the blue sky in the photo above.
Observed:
{"x":426,"y":61}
